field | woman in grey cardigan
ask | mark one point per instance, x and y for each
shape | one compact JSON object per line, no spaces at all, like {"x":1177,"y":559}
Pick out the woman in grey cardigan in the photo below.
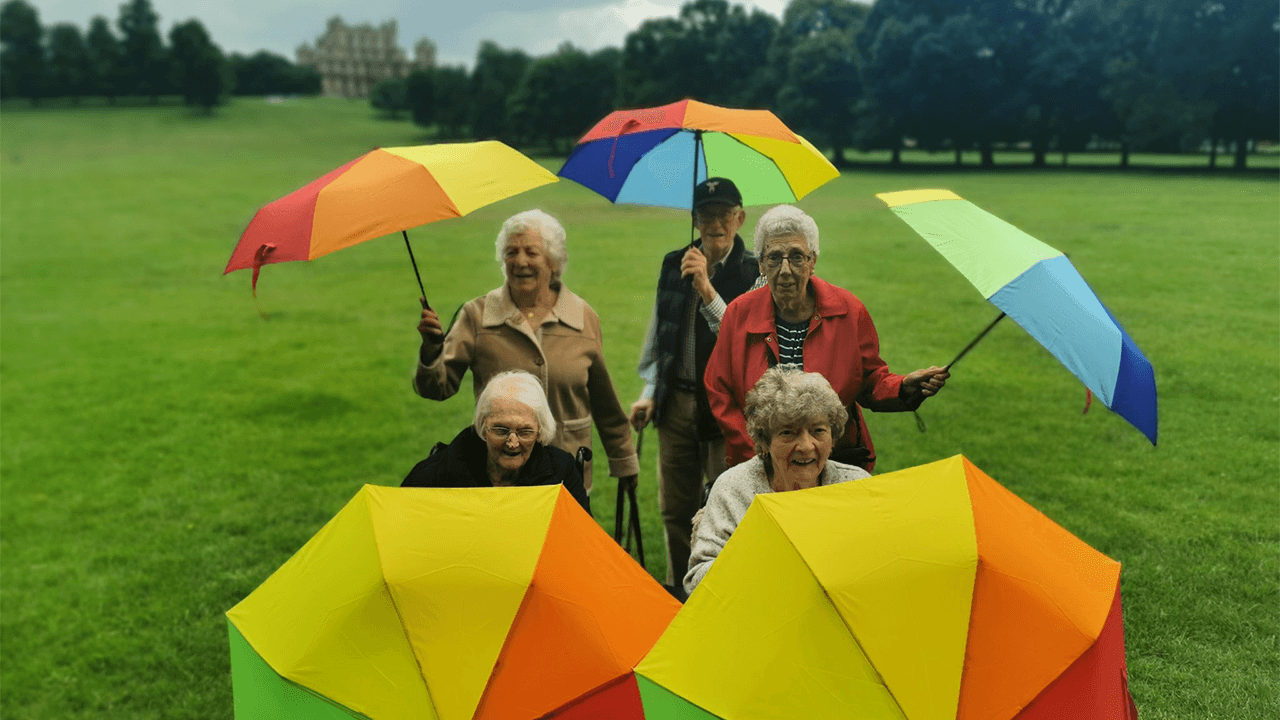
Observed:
{"x":792,"y":418}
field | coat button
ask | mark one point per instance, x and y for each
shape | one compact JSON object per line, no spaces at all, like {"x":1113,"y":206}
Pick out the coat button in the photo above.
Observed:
{"x":537,"y":361}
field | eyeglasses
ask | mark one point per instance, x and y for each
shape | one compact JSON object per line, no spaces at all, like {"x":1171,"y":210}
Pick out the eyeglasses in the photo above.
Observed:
{"x":502,"y":433}
{"x":721,"y":214}
{"x":795,"y":257}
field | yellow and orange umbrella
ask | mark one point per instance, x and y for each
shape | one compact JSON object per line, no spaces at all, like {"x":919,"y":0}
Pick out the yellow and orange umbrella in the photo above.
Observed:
{"x":932,"y":593}
{"x":455,"y":603}
{"x":384,"y":191}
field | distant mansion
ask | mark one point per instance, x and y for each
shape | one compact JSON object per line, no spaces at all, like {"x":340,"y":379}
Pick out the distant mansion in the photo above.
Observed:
{"x":351,"y":59}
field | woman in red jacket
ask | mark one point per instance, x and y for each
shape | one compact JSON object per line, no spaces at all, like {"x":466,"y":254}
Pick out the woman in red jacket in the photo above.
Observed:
{"x":800,"y":319}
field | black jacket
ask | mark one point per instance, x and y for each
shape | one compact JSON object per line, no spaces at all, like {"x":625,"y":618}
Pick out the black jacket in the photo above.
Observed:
{"x":461,"y":463}
{"x":736,"y":277}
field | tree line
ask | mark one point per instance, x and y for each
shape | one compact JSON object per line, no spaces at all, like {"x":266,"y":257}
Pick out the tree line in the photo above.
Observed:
{"x":133,"y":60}
{"x":951,"y":75}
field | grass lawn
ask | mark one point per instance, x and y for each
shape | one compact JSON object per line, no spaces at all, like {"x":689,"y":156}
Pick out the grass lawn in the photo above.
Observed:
{"x":165,"y":447}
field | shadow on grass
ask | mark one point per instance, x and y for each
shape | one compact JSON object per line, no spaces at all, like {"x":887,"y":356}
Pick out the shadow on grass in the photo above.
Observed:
{"x":299,"y":407}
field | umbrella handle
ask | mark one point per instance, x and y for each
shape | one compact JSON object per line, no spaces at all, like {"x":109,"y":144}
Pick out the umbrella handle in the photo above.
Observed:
{"x":975,"y":341}
{"x":416,"y":274}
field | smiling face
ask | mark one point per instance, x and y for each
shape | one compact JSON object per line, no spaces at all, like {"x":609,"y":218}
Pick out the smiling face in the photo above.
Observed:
{"x":718,"y":224}
{"x":526,"y":262}
{"x":510,"y":430}
{"x":787,"y":265}
{"x":799,"y":453}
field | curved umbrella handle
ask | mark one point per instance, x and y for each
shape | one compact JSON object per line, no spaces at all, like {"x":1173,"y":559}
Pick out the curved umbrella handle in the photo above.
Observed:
{"x":621,"y":131}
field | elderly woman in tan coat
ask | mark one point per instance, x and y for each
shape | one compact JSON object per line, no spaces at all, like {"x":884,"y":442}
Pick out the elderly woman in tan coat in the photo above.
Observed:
{"x":536,"y":324}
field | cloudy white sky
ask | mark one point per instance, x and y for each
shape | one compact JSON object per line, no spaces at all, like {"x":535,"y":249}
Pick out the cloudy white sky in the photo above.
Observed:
{"x":456,"y":26}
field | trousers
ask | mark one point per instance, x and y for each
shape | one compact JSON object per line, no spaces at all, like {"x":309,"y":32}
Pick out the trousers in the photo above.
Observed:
{"x":683,"y":462}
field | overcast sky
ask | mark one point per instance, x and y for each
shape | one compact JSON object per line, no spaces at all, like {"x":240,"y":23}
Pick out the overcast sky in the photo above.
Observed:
{"x":456,"y":26}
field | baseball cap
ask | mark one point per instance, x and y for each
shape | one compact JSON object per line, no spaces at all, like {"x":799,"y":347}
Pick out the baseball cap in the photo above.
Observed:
{"x":716,"y":190}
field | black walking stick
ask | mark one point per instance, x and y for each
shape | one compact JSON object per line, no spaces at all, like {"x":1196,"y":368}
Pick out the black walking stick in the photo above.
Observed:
{"x":627,"y":492}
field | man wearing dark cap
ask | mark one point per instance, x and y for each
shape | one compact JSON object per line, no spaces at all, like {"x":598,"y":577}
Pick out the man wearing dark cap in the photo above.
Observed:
{"x":695,"y":285}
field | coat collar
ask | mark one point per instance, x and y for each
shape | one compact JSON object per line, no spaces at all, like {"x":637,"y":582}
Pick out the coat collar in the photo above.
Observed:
{"x":760,"y":316}
{"x":499,"y":309}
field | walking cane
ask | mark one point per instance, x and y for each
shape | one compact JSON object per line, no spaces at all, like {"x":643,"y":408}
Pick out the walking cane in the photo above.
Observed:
{"x":627,"y":491}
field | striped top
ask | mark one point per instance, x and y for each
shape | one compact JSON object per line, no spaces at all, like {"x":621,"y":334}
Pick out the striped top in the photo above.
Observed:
{"x":791,"y":341}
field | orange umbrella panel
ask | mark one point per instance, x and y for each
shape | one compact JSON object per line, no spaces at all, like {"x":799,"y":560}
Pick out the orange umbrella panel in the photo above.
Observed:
{"x":384,"y":191}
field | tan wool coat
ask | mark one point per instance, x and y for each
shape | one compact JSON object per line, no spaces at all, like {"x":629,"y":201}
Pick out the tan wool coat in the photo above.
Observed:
{"x":565,"y":352}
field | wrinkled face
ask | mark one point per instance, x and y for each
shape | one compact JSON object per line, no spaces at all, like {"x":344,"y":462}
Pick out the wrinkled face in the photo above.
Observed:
{"x":799,"y":452}
{"x":717,"y":224}
{"x":787,"y":265}
{"x":526,"y":262}
{"x":510,"y":431}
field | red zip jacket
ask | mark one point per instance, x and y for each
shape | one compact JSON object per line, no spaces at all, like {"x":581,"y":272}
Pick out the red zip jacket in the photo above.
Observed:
{"x":842,"y":346}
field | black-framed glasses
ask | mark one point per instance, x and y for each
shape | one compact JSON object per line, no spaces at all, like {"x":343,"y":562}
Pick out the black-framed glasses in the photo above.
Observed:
{"x":502,"y":433}
{"x":795,"y":257}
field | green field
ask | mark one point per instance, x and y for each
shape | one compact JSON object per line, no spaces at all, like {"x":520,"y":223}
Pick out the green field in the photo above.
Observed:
{"x":165,"y":447}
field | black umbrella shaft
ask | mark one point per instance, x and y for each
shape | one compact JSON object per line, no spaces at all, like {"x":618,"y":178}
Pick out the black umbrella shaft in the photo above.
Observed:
{"x":416,"y":274}
{"x":970,"y":346}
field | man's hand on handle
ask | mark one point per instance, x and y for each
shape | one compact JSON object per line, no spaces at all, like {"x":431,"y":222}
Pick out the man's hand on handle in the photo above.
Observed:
{"x":641,"y":413}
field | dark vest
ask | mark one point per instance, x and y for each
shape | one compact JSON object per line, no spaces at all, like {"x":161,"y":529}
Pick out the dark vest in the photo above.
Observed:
{"x":675,"y":293}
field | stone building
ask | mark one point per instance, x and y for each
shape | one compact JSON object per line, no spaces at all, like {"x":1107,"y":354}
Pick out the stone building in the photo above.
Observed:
{"x":351,"y":59}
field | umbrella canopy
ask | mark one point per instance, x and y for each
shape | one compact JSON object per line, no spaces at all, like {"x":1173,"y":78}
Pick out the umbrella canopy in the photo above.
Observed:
{"x":1041,"y":290}
{"x":384,"y":191}
{"x":488,"y":603}
{"x":655,"y":156}
{"x":927,"y":594}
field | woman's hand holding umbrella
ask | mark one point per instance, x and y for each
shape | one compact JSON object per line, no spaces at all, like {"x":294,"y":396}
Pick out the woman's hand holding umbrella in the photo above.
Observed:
{"x":432,"y":333}
{"x":926,"y":382}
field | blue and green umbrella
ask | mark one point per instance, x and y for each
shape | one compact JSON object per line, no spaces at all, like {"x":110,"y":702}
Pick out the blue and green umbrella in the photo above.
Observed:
{"x":1043,"y":292}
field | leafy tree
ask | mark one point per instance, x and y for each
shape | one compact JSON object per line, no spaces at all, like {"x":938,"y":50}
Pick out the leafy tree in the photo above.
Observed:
{"x":822,"y":85}
{"x":265,"y":73}
{"x":69,"y":66}
{"x":494,"y":80}
{"x":1065,"y":80}
{"x":452,"y":96}
{"x":200,"y":71}
{"x":420,"y":95}
{"x":104,"y":60}
{"x":144,"y":62}
{"x":886,"y":48}
{"x":21,"y":53}
{"x":563,"y":94}
{"x":713,"y":51}
{"x":439,"y":96}
{"x":389,"y":97}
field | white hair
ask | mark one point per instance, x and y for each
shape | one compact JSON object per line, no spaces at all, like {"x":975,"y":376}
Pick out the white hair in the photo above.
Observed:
{"x":521,"y":387}
{"x":785,"y":221}
{"x":551,"y":231}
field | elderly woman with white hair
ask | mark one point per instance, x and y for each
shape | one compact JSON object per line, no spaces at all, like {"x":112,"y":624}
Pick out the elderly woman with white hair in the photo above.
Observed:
{"x":792,"y":419}
{"x":533,"y":323}
{"x":800,"y":319}
{"x":506,"y":444}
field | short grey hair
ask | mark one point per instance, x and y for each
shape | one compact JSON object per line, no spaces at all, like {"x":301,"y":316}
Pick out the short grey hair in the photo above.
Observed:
{"x":523,"y":388}
{"x":786,"y":395}
{"x":785,"y":221}
{"x":551,"y":231}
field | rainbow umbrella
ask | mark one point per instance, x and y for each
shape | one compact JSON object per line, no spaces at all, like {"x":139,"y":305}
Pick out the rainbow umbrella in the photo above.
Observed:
{"x":425,"y":603}
{"x":932,"y":593}
{"x":383,"y":191}
{"x":1043,"y":292}
{"x":656,"y":156}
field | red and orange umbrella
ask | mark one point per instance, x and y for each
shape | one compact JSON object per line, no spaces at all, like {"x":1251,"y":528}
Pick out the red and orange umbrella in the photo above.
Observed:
{"x":383,"y":191}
